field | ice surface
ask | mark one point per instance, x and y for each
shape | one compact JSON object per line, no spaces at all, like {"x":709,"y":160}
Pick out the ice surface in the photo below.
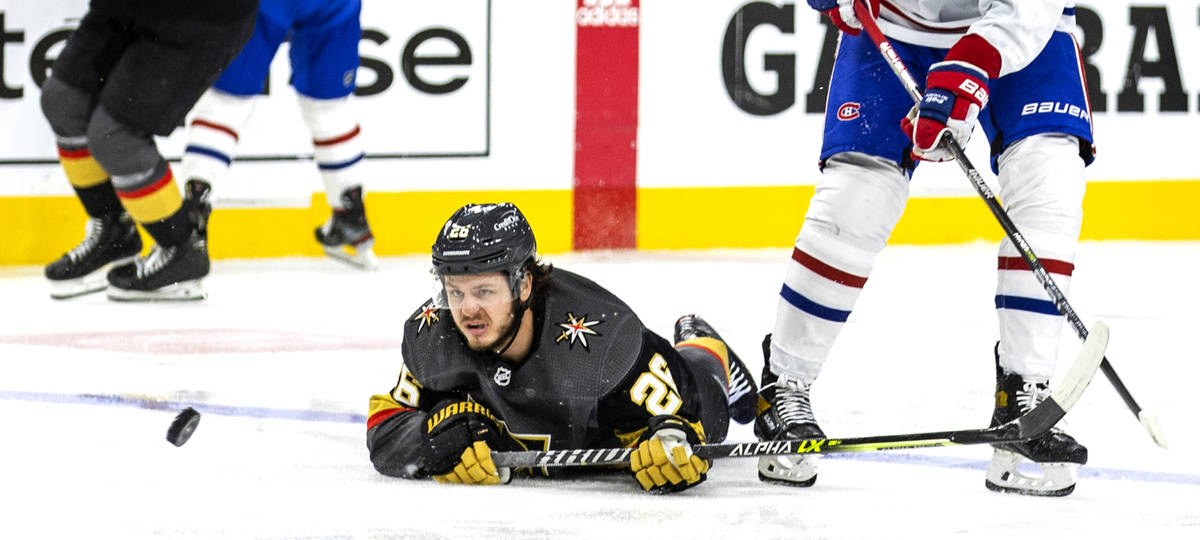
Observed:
{"x":284,"y":354}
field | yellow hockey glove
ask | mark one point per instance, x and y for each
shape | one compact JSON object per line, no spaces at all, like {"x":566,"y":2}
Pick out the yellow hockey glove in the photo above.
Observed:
{"x":663,"y":460}
{"x":460,"y":437}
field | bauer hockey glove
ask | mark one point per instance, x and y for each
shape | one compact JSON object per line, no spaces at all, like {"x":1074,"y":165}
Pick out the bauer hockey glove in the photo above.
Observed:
{"x":459,"y":439}
{"x":841,"y":12}
{"x":956,"y":89}
{"x":663,"y":460}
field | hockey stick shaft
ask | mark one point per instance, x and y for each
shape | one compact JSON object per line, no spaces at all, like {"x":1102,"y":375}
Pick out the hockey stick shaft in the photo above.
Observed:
{"x":1039,"y":271}
{"x":1034,"y":423}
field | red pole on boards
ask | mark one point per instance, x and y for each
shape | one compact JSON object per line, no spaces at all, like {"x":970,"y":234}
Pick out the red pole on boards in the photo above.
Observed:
{"x":606,"y":102}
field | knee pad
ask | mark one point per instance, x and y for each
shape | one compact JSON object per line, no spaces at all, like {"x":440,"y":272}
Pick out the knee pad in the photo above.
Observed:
{"x":328,"y":118}
{"x":1041,"y":186}
{"x":121,"y":149}
{"x":227,"y":110}
{"x":66,"y":108}
{"x":855,"y":207}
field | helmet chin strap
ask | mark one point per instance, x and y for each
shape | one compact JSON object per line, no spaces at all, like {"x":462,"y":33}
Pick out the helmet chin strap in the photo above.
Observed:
{"x":518,"y":311}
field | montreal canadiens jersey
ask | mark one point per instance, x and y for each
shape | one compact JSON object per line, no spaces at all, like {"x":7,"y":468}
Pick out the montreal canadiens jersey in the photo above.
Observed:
{"x":284,"y":12}
{"x":1018,"y":29}
{"x":593,"y":379}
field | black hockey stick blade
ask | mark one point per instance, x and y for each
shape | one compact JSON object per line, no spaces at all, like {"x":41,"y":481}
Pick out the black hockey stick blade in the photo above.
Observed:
{"x":1027,"y":426}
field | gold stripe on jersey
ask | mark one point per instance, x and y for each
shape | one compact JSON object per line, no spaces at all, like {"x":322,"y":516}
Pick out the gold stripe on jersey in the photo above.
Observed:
{"x":714,"y":347}
{"x":382,"y":407}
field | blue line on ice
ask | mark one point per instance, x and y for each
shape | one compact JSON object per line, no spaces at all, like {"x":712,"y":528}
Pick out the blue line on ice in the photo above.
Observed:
{"x":148,"y":402}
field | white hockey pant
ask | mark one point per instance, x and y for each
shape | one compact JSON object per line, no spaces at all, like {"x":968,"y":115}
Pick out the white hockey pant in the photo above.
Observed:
{"x":337,"y":146}
{"x":858,"y":202}
{"x":1041,"y":186}
{"x":213,"y":134}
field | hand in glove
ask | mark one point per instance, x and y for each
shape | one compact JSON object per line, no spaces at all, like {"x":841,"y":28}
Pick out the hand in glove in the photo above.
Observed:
{"x":663,"y":460}
{"x":459,"y":439}
{"x":841,"y":12}
{"x":956,"y":89}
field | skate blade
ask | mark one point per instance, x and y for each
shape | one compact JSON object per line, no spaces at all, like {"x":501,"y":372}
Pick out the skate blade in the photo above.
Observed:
{"x":176,"y":292}
{"x":362,"y":258}
{"x":1056,"y":479}
{"x":94,"y":282}
{"x":788,"y":471}
{"x":70,"y":288}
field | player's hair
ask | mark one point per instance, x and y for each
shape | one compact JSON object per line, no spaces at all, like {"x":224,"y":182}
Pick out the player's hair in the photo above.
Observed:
{"x":541,"y":272}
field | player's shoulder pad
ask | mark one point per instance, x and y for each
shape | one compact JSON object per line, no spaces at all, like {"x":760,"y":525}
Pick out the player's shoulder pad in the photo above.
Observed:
{"x":425,"y":334}
{"x":424,"y":319}
{"x":590,"y":334}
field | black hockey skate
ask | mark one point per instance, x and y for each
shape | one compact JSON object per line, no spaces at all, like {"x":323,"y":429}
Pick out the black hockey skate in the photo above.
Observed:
{"x":743,"y":394}
{"x":170,"y":272}
{"x":1056,"y":453}
{"x":111,"y":240}
{"x":785,"y":412}
{"x":346,"y":235}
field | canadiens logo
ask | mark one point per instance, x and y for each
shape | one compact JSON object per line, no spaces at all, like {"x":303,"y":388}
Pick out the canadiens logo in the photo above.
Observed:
{"x":848,"y":111}
{"x":503,"y":376}
{"x":577,"y":329}
{"x":427,"y":316}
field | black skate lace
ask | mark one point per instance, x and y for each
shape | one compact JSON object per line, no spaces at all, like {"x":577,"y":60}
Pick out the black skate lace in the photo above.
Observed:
{"x":791,"y":401}
{"x":91,"y":236}
{"x":158,"y":258}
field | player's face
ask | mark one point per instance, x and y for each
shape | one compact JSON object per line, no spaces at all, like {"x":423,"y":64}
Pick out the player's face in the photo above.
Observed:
{"x":482,"y":308}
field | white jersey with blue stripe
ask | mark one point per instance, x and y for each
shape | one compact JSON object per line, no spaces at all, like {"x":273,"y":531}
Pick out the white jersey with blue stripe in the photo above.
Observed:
{"x":1018,"y":29}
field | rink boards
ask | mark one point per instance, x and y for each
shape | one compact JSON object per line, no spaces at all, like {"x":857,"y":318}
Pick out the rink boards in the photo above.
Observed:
{"x":477,"y":100}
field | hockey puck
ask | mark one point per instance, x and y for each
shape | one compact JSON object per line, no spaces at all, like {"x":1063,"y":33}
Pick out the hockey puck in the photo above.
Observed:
{"x":181,"y":429}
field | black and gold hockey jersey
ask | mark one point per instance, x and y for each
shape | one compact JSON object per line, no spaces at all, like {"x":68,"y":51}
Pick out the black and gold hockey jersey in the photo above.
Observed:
{"x":594,"y":377}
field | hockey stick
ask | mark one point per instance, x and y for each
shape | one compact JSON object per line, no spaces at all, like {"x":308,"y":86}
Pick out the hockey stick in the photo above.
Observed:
{"x":1148,"y":420}
{"x":1032,"y":424}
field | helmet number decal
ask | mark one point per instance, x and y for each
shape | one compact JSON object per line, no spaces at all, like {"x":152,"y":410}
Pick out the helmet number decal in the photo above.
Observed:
{"x":459,"y":231}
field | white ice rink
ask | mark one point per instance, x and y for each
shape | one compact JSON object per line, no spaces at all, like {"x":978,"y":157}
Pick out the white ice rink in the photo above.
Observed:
{"x":283,"y":355}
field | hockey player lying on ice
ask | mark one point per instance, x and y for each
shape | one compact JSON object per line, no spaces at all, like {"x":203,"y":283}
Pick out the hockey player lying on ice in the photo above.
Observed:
{"x":513,"y":354}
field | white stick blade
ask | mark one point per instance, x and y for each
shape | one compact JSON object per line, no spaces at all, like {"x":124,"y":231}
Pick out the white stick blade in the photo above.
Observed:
{"x":1070,"y":388}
